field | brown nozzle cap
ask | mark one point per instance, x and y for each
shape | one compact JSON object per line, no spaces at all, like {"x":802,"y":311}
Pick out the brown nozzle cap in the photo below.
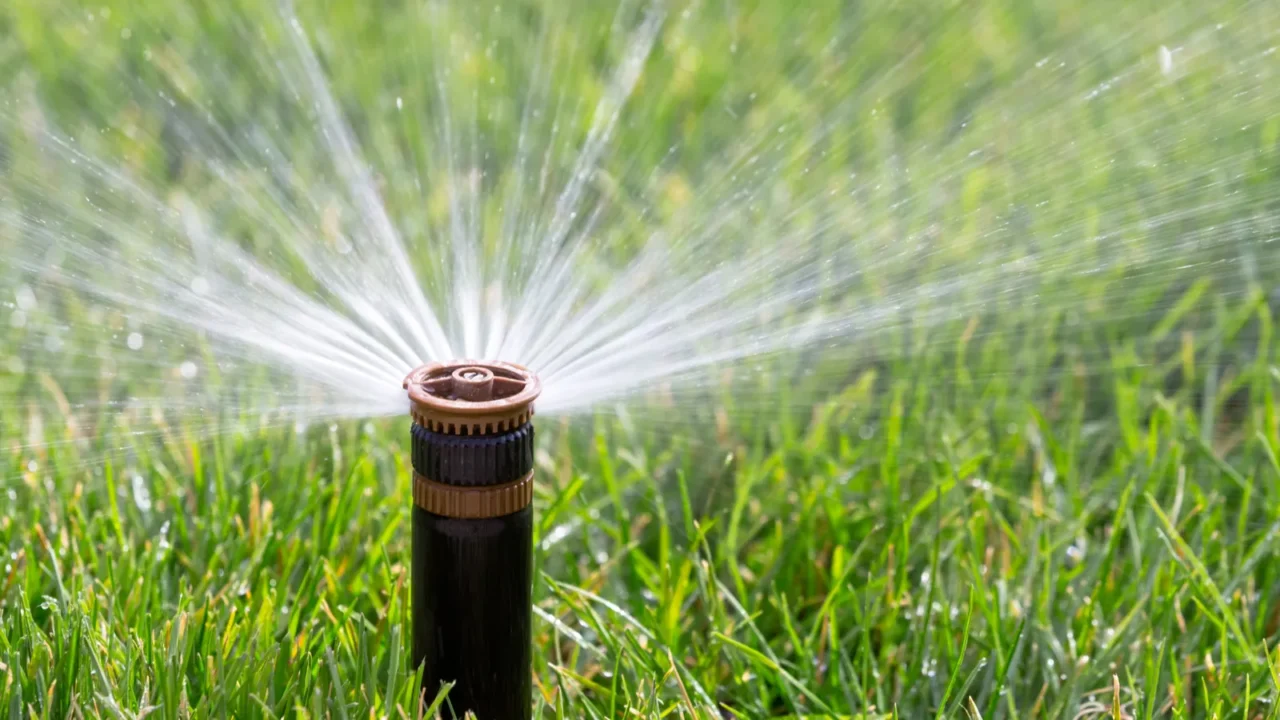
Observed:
{"x":470,"y":397}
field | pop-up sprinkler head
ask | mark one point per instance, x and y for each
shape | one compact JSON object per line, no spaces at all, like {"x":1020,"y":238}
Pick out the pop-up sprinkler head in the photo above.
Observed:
{"x":473,"y":533}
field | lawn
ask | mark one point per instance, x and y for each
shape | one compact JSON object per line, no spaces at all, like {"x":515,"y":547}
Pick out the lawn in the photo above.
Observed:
{"x":1034,"y":475}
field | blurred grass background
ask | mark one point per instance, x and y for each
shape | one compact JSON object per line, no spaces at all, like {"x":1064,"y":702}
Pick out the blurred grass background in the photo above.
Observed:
{"x":1055,"y":501}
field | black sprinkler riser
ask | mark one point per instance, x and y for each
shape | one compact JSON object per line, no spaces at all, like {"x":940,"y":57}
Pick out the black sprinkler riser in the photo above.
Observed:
{"x":472,"y":571}
{"x":472,"y":593}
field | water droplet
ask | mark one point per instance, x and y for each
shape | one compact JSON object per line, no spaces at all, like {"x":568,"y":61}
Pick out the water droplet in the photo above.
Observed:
{"x":26,"y":298}
{"x":1166,"y":60}
{"x":188,"y":369}
{"x":1075,"y":553}
{"x":141,"y":495}
{"x":135,"y":341}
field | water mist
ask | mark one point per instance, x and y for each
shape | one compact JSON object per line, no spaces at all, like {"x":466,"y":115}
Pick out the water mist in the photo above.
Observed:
{"x":606,"y":212}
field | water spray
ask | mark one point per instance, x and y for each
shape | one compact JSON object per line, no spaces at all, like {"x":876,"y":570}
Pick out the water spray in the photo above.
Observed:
{"x":473,"y":534}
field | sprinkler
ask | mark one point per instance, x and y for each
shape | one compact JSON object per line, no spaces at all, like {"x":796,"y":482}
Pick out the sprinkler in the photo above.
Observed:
{"x":473,"y":534}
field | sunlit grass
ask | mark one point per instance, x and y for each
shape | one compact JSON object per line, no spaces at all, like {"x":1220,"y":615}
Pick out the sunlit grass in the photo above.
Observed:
{"x":1065,"y":511}
{"x":925,"y":548}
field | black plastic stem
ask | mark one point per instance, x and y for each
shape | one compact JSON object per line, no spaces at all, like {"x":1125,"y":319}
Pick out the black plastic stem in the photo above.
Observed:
{"x":472,"y":583}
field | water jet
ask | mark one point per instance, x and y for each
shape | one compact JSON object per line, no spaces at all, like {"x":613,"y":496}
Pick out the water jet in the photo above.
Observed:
{"x":472,"y":451}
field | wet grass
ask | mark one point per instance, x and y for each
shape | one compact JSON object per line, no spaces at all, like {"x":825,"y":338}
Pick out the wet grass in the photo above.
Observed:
{"x":1068,"y":513}
{"x":912,"y":549}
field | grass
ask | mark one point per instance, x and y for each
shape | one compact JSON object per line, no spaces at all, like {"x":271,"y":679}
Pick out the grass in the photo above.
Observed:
{"x":1061,"y":511}
{"x":897,"y":556}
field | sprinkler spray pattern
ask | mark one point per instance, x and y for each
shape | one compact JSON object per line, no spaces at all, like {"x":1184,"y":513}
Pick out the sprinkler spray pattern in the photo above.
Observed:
{"x":282,"y":236}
